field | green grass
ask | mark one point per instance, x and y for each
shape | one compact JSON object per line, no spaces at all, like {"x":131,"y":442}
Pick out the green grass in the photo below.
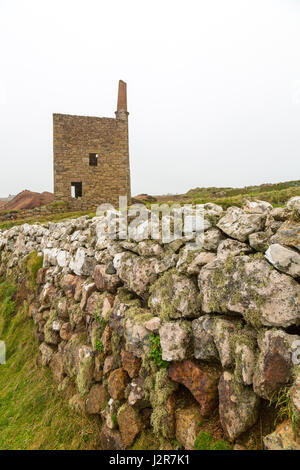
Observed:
{"x":59,"y":217}
{"x":283,"y":403}
{"x":277,"y":194}
{"x":277,"y":198}
{"x":155,"y":352}
{"x":33,"y":414}
{"x":205,"y":441}
{"x":32,"y":263}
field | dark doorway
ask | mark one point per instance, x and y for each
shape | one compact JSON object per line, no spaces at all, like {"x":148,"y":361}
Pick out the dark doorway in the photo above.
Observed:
{"x":76,"y":190}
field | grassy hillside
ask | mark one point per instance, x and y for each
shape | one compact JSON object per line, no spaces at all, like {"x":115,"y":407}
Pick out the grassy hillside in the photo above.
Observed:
{"x":277,"y":194}
{"x":33,"y":414}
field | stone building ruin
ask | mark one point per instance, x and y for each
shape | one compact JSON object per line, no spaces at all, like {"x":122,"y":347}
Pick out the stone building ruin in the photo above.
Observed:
{"x":91,"y":157}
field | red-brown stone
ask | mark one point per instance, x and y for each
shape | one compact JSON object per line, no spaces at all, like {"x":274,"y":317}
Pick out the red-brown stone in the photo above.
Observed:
{"x":117,"y":382}
{"x":130,"y":363}
{"x":202,"y":383}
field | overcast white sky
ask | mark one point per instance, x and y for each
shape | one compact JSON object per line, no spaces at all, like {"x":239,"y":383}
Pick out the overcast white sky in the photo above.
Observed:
{"x":213,"y":87}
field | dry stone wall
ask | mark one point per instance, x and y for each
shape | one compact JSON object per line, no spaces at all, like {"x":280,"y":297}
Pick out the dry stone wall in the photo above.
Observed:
{"x":157,"y":336}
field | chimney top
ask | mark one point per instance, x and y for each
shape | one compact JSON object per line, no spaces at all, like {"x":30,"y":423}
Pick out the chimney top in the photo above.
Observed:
{"x":122,"y":96}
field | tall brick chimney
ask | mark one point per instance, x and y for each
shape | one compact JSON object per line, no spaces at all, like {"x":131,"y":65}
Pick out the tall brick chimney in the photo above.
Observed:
{"x":121,"y":112}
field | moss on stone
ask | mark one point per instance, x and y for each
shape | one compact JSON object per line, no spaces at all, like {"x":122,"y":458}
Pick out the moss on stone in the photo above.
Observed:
{"x":146,"y":441}
{"x":223,"y":288}
{"x":158,"y":389}
{"x":31,"y":264}
{"x":164,"y":301}
{"x":96,"y":334}
{"x":75,"y":314}
{"x":138,"y":315}
{"x":48,"y":330}
{"x":85,"y":375}
{"x":115,"y":342}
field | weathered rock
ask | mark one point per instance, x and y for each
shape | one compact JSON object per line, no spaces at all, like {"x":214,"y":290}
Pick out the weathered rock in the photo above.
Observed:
{"x":204,"y":344}
{"x":130,"y":363}
{"x":68,"y":284}
{"x":186,"y":256}
{"x":211,"y":239}
{"x":40,"y":277}
{"x":66,"y":331}
{"x":295,"y":391}
{"x":174,"y":295}
{"x":130,"y":424}
{"x":86,"y":366}
{"x":288,"y":234}
{"x":50,"y":257}
{"x":175,"y":341}
{"x":96,"y":399}
{"x":149,"y":248}
{"x":239,"y":224}
{"x":136,"y":335}
{"x":283,"y":438}
{"x":57,"y":367}
{"x":200,"y":260}
{"x":105,"y":338}
{"x":98,"y":371}
{"x":107,"y":305}
{"x":223,"y":331}
{"x":48,"y":294}
{"x":294,"y":204}
{"x":117,"y":383}
{"x":252,"y":288}
{"x":153,"y":324}
{"x":275,"y":361}
{"x":63,"y":308}
{"x":280,"y":214}
{"x":63,"y":258}
{"x":187,"y":426}
{"x":71,"y":356}
{"x":87,"y":289}
{"x":104,"y":280}
{"x":163,"y":402}
{"x":82,"y":264}
{"x":109,"y":364}
{"x":136,"y":273}
{"x":238,"y":406}
{"x":203,"y":384}
{"x":284,"y":259}
{"x":78,"y":284}
{"x":137,"y":393}
{"x":244,"y":356}
{"x":46,"y":353}
{"x":94,"y":304}
{"x":259,"y":241}
{"x":257,"y":207}
{"x":117,"y":317}
{"x":50,"y":332}
{"x":111,"y":439}
{"x":230,"y":247}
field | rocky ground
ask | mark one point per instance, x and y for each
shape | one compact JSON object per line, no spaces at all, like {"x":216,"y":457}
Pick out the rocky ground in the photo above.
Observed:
{"x":160,"y":338}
